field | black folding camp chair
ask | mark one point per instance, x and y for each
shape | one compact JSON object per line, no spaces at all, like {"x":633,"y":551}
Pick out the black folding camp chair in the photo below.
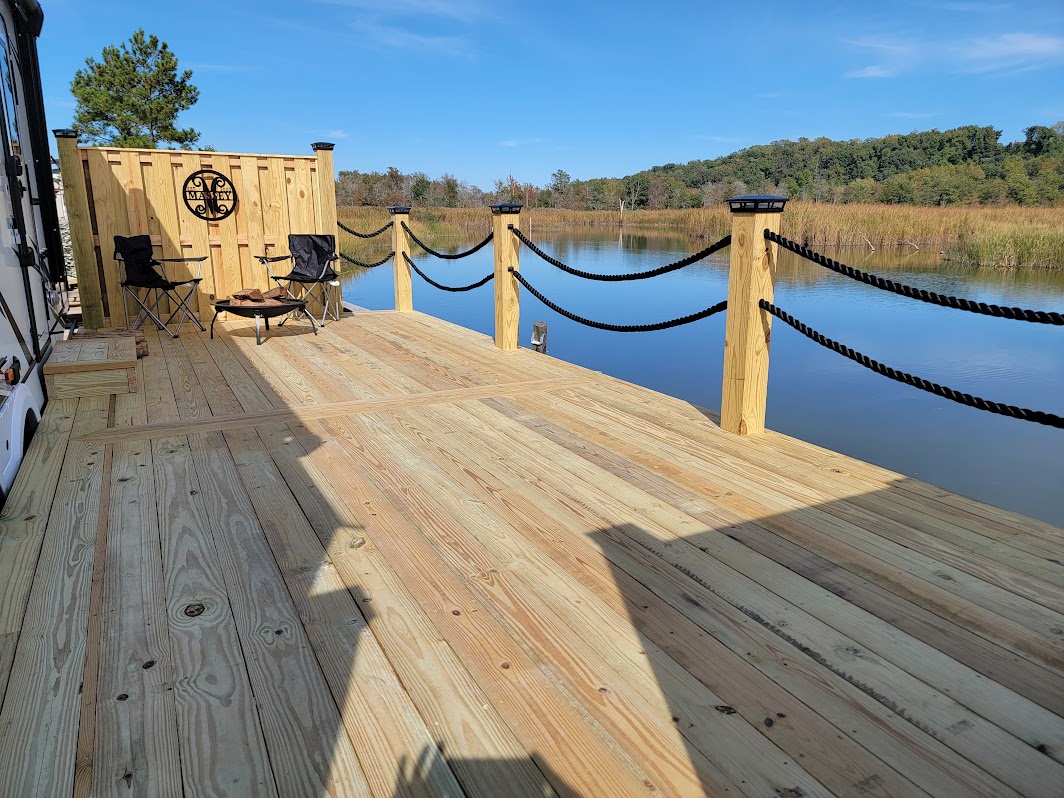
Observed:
{"x":135,"y":255}
{"x":312,"y":271}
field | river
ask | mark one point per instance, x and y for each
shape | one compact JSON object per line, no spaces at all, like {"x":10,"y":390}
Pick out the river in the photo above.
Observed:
{"x":814,"y":394}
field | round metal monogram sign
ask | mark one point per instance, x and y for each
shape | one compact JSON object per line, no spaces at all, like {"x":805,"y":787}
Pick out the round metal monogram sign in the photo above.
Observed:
{"x":209,"y":195}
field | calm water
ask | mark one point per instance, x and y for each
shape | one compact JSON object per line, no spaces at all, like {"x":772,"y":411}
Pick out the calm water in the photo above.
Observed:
{"x":814,"y":394}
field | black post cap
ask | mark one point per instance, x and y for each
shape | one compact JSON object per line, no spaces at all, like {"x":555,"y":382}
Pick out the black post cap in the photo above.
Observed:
{"x":65,"y":133}
{"x":752,"y":203}
{"x":394,"y":209}
{"x":506,"y":207}
{"x":322,"y":145}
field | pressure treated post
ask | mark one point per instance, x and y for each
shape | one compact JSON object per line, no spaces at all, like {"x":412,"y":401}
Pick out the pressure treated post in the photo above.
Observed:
{"x":748,"y":328}
{"x":507,"y":255}
{"x":404,"y":291}
{"x":323,"y":152}
{"x":77,"y":205}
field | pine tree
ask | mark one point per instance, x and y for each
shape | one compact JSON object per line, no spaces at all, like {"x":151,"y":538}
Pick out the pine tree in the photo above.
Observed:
{"x":133,"y":96}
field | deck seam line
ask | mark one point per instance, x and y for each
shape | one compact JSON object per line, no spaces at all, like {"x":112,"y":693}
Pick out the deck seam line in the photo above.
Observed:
{"x":327,"y":410}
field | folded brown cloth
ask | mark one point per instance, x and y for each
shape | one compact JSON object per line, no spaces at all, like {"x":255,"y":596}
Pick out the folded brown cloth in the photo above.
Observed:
{"x":252,"y":294}
{"x":279,"y":292}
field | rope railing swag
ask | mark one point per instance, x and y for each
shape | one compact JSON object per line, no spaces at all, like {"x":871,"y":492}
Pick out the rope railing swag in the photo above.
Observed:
{"x":599,"y":325}
{"x":381,"y":262}
{"x":452,"y":289}
{"x":957,"y":303}
{"x":347,"y":229}
{"x":444,"y":255}
{"x":1036,"y":416}
{"x":617,"y":278}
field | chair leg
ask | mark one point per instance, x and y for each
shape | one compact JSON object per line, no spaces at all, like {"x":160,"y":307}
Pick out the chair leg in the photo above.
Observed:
{"x":184,"y":309}
{"x":145,"y":311}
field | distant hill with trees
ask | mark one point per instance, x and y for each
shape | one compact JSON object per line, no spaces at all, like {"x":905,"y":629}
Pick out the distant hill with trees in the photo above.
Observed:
{"x":963,"y":166}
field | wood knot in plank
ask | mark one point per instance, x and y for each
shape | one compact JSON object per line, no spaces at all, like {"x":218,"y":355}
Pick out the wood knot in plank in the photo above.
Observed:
{"x":192,"y":610}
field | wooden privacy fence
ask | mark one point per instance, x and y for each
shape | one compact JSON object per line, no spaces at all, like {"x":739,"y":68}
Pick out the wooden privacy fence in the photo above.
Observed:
{"x":112,"y":191}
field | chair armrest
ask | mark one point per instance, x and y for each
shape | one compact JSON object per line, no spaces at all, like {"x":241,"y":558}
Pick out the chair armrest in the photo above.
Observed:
{"x":266,"y":260}
{"x":182,"y":260}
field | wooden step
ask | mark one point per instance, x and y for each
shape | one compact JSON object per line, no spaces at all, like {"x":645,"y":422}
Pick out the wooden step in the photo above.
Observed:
{"x":94,"y":367}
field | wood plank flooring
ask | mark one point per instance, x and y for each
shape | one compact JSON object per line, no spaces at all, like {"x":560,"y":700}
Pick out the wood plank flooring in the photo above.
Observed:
{"x":389,"y":560}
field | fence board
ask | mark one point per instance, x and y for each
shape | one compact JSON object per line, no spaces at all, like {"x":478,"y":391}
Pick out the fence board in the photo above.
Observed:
{"x":109,"y":201}
{"x":301,"y":199}
{"x":275,"y":207}
{"x":193,"y":232}
{"x":249,"y":169}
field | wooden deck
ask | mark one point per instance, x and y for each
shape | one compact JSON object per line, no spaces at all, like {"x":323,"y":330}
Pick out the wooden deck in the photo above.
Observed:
{"x":391,"y":560}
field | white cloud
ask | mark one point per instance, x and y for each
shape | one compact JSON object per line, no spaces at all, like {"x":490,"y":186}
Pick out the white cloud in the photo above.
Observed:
{"x":465,"y":10}
{"x":398,"y":38}
{"x":511,"y":143}
{"x":1009,"y":52}
{"x":874,"y":71}
{"x":888,"y":46}
{"x":1000,"y":53}
{"x":975,"y":8}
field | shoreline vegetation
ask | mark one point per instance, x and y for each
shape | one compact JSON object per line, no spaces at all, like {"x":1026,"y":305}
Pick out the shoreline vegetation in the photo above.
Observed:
{"x":1004,"y":237}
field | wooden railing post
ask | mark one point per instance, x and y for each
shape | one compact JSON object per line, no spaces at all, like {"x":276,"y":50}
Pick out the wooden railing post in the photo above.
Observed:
{"x":748,"y":328}
{"x":404,"y":291}
{"x":77,"y":205}
{"x":323,"y":153}
{"x":507,"y":255}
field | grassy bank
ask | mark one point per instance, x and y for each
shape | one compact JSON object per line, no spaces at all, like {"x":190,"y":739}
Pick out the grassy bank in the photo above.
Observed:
{"x":1003,"y":237}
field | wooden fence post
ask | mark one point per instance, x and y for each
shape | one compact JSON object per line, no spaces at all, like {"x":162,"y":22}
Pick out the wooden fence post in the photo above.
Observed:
{"x":77,"y":204}
{"x":507,"y":255}
{"x":748,"y":328}
{"x":323,"y":152}
{"x":404,"y":292}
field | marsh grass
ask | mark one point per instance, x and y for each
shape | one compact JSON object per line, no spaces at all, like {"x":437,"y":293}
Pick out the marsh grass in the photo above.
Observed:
{"x":995,"y":236}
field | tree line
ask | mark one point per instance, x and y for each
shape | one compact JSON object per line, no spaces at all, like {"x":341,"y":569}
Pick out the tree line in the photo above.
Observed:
{"x":963,"y":166}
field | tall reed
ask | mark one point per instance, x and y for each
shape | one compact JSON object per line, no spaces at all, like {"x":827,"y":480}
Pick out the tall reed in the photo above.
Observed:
{"x":999,"y":236}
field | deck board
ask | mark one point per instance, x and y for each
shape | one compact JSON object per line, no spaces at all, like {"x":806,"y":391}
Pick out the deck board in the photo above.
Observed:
{"x":430,"y":568}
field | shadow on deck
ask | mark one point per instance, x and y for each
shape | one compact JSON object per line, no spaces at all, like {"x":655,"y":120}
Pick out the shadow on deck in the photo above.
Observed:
{"x":531,"y":581}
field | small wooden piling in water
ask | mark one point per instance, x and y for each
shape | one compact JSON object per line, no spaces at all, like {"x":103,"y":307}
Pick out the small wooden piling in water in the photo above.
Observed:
{"x":539,"y":337}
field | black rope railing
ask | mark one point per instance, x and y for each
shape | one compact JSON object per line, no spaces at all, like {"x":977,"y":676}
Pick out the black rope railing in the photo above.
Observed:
{"x":1036,"y":416}
{"x":617,"y":278}
{"x":957,"y":303}
{"x":381,"y":262}
{"x":444,"y":255}
{"x":453,"y":289}
{"x":347,"y":229}
{"x":599,"y":325}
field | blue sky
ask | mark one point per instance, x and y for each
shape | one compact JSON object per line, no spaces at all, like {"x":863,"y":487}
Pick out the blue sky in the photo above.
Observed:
{"x":481,"y":89}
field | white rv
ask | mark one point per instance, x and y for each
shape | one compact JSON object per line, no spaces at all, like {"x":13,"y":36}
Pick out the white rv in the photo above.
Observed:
{"x":32,"y":272}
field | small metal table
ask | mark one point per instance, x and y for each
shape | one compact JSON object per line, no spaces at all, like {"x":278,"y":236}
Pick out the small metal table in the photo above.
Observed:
{"x":262,"y":312}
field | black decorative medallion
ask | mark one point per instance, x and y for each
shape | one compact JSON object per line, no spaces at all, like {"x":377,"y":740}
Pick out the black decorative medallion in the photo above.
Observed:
{"x":209,"y":195}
